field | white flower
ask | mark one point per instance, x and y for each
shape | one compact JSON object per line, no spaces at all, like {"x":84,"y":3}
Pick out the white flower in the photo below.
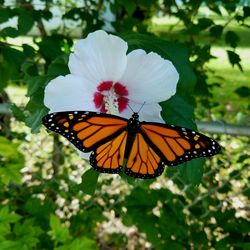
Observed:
{"x":103,"y":77}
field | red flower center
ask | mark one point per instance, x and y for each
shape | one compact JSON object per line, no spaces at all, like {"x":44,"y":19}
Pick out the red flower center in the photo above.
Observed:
{"x":111,"y":94}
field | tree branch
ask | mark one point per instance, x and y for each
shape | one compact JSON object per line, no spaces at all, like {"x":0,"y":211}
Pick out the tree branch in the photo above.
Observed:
{"x":223,"y":128}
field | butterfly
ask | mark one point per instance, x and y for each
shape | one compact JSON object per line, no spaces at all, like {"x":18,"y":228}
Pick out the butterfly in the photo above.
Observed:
{"x":143,"y":148}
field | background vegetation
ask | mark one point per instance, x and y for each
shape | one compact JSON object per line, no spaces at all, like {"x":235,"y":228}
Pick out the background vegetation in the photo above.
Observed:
{"x":50,"y":199}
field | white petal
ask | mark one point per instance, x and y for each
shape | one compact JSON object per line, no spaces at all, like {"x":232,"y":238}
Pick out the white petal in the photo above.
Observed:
{"x":149,"y":77}
{"x":68,"y":93}
{"x":147,"y":112}
{"x":99,"y":57}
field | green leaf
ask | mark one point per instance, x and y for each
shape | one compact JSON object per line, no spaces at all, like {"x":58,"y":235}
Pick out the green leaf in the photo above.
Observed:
{"x":17,"y":112}
{"x":29,"y":69}
{"x":232,"y":39}
{"x":204,"y":23}
{"x":8,"y":71}
{"x":58,"y":232}
{"x":4,"y":15}
{"x":11,"y":173}
{"x":11,"y":163}
{"x":10,"y":245}
{"x":5,"y":229}
{"x":47,"y":43}
{"x":25,"y":21}
{"x":7,"y":149}
{"x":28,"y":50}
{"x":130,"y":7}
{"x":214,"y":6}
{"x":57,"y":69}
{"x":89,"y":181}
{"x":9,"y":32}
{"x":27,"y":234}
{"x":35,"y":83}
{"x":4,"y":75}
{"x":8,"y":217}
{"x":79,"y":244}
{"x":173,"y":245}
{"x":179,"y":110}
{"x":192,"y":171}
{"x":137,"y":198}
{"x":246,"y":11}
{"x":243,"y":91}
{"x":35,"y":119}
{"x":243,"y":245}
{"x":13,"y":56}
{"x":234,"y":59}
{"x":216,"y":31}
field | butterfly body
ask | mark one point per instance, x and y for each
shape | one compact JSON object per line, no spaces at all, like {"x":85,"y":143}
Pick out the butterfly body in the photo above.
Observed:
{"x":132,"y":128}
{"x":143,"y":148}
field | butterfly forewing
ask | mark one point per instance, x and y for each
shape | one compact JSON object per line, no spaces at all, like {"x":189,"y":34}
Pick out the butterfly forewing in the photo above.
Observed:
{"x":175,"y":144}
{"x":86,"y":130}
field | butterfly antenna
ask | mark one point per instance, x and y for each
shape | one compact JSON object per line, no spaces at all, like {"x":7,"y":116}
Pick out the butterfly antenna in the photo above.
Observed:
{"x":131,"y":108}
{"x":141,"y":107}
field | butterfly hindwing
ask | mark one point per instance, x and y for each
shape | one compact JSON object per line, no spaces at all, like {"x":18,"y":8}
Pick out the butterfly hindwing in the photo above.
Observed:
{"x":109,"y":157}
{"x":175,"y":144}
{"x":142,"y":161}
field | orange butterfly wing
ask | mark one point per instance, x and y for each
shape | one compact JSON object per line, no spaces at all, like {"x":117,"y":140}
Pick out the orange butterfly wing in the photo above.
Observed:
{"x":105,"y":135}
{"x":176,"y":145}
{"x":146,"y":146}
{"x":109,"y":157}
{"x":143,"y":161}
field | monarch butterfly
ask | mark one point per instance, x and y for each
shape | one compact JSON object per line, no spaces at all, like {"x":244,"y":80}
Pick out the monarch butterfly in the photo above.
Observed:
{"x":146,"y":146}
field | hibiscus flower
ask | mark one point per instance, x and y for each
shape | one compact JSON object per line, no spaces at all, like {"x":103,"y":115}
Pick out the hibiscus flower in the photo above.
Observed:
{"x":104,"y":78}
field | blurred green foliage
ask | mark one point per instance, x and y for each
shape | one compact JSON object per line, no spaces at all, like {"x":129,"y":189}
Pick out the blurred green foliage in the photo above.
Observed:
{"x":181,"y":217}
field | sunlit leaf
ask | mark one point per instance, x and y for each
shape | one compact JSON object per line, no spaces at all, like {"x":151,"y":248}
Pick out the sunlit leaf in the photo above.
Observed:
{"x":58,"y":232}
